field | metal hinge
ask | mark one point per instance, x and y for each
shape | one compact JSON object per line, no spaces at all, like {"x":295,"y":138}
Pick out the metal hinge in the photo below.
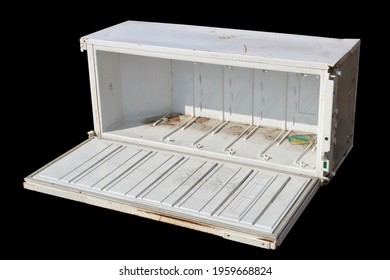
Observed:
{"x":83,"y":45}
{"x":334,"y":72}
{"x":91,"y":134}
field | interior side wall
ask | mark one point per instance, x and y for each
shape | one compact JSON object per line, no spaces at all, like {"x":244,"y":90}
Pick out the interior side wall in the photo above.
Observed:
{"x":147,"y":86}
{"x":110,"y":88}
{"x":302,"y":101}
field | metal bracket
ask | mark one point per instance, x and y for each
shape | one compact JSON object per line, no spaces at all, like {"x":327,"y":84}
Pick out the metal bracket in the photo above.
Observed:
{"x":169,"y":140}
{"x":334,"y":72}
{"x":265,"y":157}
{"x":199,"y":146}
{"x":83,"y":47}
{"x":230,"y":151}
{"x":91,"y":134}
{"x":302,"y":164}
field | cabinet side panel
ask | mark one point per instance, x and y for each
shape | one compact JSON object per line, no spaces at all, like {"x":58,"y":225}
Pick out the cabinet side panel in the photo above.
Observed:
{"x":344,"y":113}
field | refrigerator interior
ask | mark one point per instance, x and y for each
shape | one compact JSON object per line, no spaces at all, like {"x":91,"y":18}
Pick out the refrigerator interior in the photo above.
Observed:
{"x":258,"y":114}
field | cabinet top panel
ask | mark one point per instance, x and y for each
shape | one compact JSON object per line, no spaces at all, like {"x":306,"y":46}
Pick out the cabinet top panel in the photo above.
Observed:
{"x":224,"y":44}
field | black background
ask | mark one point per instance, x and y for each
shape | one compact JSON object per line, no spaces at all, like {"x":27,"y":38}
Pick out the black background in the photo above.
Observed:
{"x":51,"y":113}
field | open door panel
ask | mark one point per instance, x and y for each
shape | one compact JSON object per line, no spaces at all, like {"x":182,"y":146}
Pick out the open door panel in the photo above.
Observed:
{"x":238,"y":202}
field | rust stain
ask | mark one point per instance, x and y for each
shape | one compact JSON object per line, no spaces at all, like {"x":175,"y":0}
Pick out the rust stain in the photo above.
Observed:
{"x":150,"y":120}
{"x":269,"y":133}
{"x":173,"y":119}
{"x":176,"y":218}
{"x":265,"y":239}
{"x":236,"y":128}
{"x":202,"y":120}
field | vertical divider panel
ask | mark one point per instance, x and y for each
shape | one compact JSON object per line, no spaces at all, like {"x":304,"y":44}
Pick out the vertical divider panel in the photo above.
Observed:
{"x":208,"y":90}
{"x":253,"y":96}
{"x":292,"y":87}
{"x":269,"y":98}
{"x":227,"y":94}
{"x":196,"y":83}
{"x":183,"y":87}
{"x":238,"y":94}
{"x":222,"y":93}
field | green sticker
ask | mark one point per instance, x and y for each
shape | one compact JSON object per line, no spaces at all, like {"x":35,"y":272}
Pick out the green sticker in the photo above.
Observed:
{"x":299,"y":139}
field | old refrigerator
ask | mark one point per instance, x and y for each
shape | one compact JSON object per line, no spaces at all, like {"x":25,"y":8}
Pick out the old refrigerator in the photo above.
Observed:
{"x":229,"y":132}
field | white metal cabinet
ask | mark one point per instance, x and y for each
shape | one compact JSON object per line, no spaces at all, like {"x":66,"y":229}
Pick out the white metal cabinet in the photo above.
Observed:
{"x":226,"y":131}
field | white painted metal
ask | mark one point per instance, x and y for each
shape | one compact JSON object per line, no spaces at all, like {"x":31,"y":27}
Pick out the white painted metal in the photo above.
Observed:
{"x":186,"y":40}
{"x":192,"y":126}
{"x":197,"y":189}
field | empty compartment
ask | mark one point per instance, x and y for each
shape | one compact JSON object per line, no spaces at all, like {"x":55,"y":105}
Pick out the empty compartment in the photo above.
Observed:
{"x":235,"y":111}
